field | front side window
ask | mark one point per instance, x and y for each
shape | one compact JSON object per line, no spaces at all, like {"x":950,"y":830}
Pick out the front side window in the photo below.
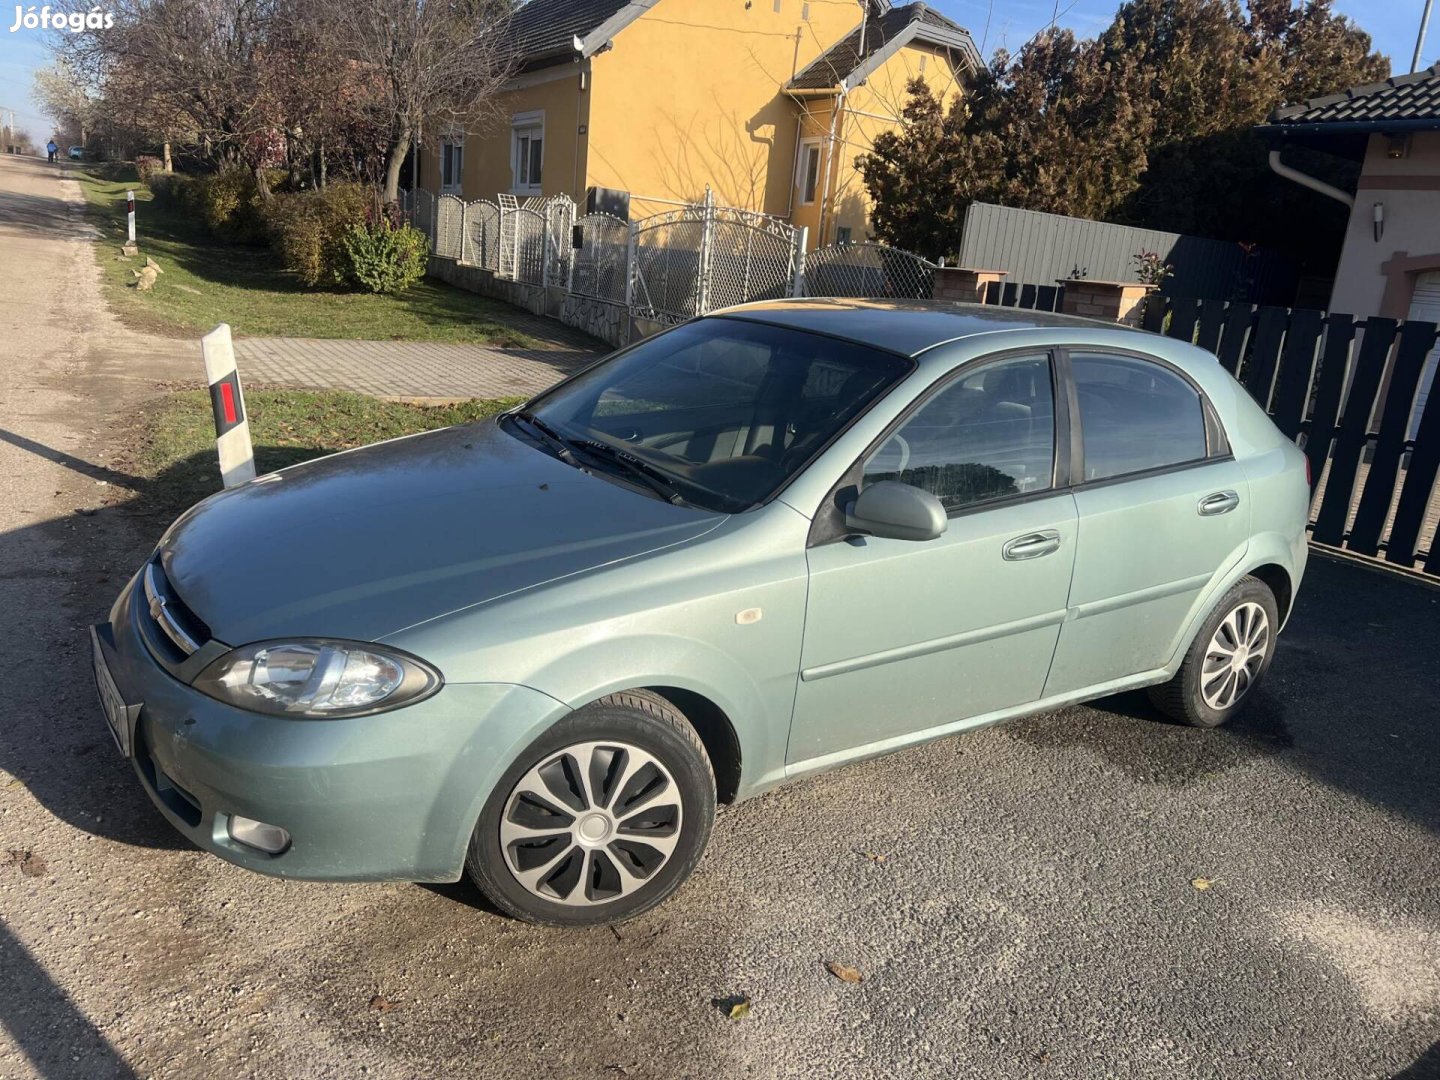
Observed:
{"x":1135,"y":415}
{"x":988,"y":434}
{"x":527,"y":151}
{"x":725,"y":410}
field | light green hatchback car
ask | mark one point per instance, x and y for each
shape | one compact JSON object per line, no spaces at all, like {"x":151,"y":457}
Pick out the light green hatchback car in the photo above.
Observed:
{"x":541,"y":648}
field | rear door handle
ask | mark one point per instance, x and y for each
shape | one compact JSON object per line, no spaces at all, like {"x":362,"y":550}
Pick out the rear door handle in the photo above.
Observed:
{"x":1221,"y":502}
{"x":1031,"y":545}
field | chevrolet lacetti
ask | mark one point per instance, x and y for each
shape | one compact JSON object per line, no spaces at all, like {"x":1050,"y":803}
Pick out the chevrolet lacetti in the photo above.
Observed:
{"x":539,"y":649}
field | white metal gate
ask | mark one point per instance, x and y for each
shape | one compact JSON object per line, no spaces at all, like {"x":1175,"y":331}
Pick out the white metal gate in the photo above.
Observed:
{"x":699,"y":258}
{"x":868,"y":270}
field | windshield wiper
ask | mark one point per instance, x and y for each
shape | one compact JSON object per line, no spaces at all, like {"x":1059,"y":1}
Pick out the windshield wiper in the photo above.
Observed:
{"x":548,"y":435}
{"x":647,"y":474}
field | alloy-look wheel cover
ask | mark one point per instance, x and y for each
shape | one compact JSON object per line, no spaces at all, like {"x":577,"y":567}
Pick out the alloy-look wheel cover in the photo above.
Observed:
{"x":1235,"y":656}
{"x":591,"y":823}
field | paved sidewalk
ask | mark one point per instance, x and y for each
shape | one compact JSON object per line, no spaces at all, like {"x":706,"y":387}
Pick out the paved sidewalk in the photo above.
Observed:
{"x":420,"y":369}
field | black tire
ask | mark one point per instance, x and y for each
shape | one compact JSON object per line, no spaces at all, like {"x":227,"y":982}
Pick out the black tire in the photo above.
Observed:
{"x":1184,"y":697}
{"x":640,"y":721}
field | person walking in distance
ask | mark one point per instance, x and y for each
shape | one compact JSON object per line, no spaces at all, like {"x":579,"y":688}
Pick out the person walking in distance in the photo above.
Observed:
{"x":52,"y":150}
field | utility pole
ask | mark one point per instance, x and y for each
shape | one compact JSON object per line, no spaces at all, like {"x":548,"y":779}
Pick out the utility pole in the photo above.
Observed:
{"x":1420,"y":38}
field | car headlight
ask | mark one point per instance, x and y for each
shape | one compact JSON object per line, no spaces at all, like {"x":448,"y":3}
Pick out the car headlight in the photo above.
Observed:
{"x":317,"y":678}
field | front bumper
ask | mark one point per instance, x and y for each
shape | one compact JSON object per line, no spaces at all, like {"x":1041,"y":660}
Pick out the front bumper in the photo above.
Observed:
{"x":392,"y":796}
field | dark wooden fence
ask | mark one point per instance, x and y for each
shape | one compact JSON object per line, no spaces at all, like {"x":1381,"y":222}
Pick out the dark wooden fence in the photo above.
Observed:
{"x":1345,"y":390}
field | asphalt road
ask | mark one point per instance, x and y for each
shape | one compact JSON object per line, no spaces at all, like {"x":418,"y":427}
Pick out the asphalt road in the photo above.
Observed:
{"x":1019,"y":900}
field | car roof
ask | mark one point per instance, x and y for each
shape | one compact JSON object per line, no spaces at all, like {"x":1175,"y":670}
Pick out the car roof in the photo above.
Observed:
{"x":909,"y":327}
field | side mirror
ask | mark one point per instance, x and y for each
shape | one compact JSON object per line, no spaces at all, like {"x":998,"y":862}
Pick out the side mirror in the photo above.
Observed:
{"x":896,"y":511}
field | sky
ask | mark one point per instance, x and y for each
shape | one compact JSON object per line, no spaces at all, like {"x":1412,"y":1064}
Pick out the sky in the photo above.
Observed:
{"x":1392,"y":23}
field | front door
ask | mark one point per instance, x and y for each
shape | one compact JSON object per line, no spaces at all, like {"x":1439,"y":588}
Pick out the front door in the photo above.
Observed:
{"x":901,"y":636}
{"x":1163,"y":510}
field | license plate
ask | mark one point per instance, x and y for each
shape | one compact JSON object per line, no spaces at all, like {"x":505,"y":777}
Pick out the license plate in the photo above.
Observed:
{"x":119,"y":716}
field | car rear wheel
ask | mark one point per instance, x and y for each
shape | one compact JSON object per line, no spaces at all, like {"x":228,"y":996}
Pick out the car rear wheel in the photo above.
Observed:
{"x":603,"y":817}
{"x":1228,"y":658}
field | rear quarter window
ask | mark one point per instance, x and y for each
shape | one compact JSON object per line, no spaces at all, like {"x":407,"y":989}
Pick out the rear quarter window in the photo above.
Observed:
{"x":1135,"y":415}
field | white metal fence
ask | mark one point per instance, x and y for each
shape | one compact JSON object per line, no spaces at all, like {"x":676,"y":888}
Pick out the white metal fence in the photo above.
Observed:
{"x":667,"y":267}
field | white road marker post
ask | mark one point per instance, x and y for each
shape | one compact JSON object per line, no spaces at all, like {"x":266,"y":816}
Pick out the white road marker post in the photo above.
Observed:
{"x":232,"y":426}
{"x":130,"y":215}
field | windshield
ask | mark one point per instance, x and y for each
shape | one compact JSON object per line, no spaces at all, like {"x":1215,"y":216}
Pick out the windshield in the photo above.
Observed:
{"x":721,"y":412}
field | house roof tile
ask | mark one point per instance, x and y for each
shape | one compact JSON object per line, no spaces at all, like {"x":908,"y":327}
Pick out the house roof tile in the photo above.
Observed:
{"x":544,"y":27}
{"x":1404,"y":99}
{"x":843,"y":58}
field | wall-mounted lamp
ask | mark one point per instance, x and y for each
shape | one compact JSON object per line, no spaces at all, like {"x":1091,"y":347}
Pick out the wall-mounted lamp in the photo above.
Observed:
{"x":1398,"y":146}
{"x":1378,"y":216}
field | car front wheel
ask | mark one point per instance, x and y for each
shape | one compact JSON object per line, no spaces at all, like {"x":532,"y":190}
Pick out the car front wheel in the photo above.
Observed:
{"x":1226,"y":660}
{"x":603,"y":817}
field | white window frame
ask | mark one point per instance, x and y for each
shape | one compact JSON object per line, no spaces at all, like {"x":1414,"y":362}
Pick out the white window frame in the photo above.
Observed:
{"x":802,"y":169}
{"x":456,"y":145}
{"x":526,"y":126}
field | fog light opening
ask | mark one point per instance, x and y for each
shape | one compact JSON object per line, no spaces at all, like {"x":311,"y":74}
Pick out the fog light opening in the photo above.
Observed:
{"x":270,"y":839}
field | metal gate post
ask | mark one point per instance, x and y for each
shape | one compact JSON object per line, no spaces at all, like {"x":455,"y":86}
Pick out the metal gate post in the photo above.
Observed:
{"x":802,"y":241}
{"x":632,"y":267}
{"x":706,"y":237}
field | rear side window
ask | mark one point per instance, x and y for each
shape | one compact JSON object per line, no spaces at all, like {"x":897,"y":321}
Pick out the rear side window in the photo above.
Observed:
{"x":1135,"y":415}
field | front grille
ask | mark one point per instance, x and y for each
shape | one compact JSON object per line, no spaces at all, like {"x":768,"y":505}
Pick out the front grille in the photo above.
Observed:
{"x":179,"y":627}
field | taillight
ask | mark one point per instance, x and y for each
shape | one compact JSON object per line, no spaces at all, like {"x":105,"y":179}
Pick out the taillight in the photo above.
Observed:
{"x":1309,"y":480}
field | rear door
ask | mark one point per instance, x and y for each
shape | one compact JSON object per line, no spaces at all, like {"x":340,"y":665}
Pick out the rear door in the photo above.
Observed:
{"x":1163,"y":509}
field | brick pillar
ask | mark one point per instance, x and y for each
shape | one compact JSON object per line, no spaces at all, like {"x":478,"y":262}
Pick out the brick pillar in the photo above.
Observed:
{"x":1114,"y":301}
{"x":964,"y":283}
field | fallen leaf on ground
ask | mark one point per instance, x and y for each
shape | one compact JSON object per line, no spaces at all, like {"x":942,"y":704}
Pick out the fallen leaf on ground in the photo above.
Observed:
{"x":844,"y":972}
{"x":382,"y":1004}
{"x":739,"y":1010}
{"x":30,"y":864}
{"x":874,"y":856}
{"x":1202,"y":883}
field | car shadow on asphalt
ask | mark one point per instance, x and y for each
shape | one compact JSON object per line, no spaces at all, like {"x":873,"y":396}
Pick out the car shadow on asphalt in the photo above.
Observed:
{"x":1425,"y":1067}
{"x":55,"y":742}
{"x":1349,"y":699}
{"x":46,"y":1025}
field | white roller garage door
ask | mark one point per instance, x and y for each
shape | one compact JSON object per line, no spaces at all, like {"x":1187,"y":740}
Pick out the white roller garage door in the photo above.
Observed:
{"x":1425,"y":306}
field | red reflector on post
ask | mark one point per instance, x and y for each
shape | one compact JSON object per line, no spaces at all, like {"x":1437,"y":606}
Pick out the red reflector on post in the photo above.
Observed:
{"x":227,"y":402}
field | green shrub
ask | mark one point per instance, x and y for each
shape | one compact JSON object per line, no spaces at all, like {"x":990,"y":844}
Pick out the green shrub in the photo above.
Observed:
{"x":147,"y":166}
{"x":307,"y":231}
{"x":231,"y":205}
{"x":385,"y":257}
{"x":175,"y":191}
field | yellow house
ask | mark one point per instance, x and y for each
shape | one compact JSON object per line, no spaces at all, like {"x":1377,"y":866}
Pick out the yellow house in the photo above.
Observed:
{"x":768,"y":102}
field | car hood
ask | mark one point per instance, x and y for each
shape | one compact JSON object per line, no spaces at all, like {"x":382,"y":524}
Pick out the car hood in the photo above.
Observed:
{"x":365,"y":543}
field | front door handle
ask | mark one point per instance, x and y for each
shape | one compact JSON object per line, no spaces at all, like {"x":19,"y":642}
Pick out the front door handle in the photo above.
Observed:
{"x":1221,"y":502}
{"x":1031,"y":545}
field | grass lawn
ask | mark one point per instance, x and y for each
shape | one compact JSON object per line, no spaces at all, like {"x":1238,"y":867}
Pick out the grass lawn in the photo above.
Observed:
{"x":174,"y":452}
{"x":206,"y":282}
